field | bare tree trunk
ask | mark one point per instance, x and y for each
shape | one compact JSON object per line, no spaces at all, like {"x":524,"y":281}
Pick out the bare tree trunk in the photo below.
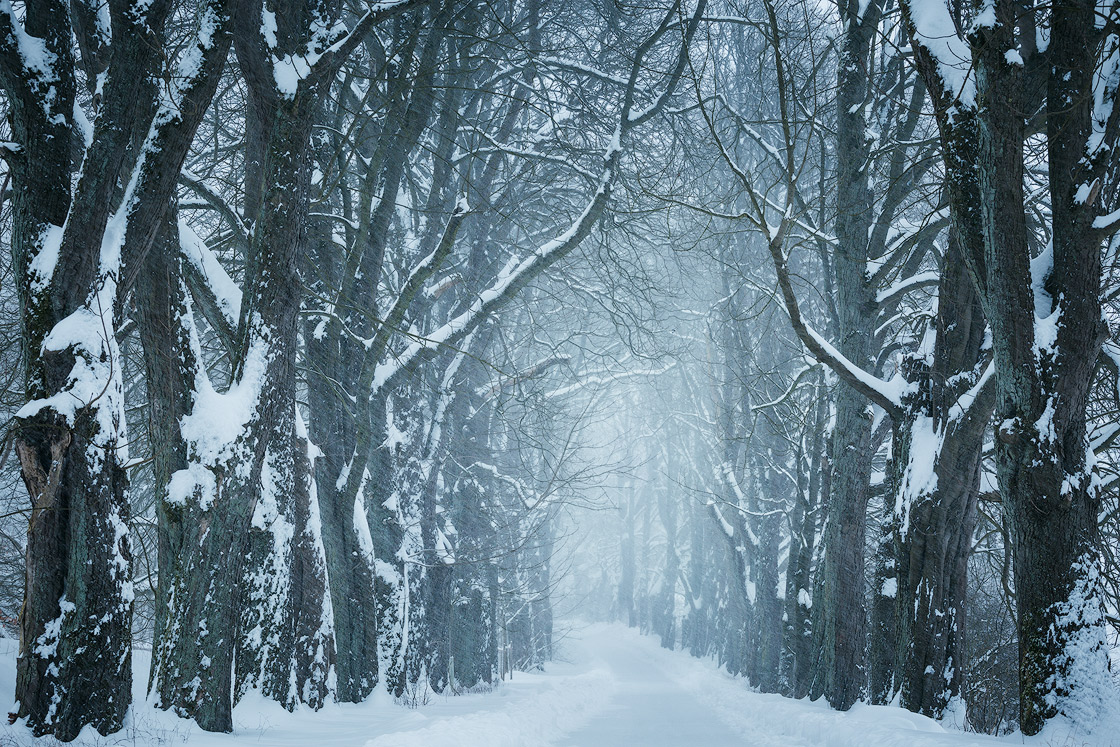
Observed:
{"x":232,"y":599}
{"x":169,"y":367}
{"x":344,"y":430}
{"x":936,"y":503}
{"x":884,"y":650}
{"x":843,"y":631}
{"x":312,"y":619}
{"x":803,"y":524}
{"x":626,"y":608}
{"x":333,"y":429}
{"x":765,"y":520}
{"x":665,"y":617}
{"x":696,"y":628}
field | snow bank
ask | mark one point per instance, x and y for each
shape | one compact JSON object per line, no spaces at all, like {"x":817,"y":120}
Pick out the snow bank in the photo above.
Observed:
{"x":532,"y":710}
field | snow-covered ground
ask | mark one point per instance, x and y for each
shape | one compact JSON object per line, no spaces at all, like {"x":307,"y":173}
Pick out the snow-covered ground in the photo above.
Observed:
{"x":613,"y":687}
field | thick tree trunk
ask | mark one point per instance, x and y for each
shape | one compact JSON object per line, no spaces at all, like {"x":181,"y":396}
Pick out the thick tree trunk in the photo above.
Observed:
{"x":934,"y":570}
{"x":283,"y":546}
{"x":345,"y":526}
{"x":343,"y":431}
{"x":75,"y":663}
{"x":169,"y":367}
{"x":391,"y":581}
{"x":843,"y":630}
{"x":694,"y":628}
{"x":350,"y":573}
{"x":54,"y":689}
{"x":937,"y":496}
{"x":883,"y":650}
{"x":314,"y":654}
{"x":842,"y":636}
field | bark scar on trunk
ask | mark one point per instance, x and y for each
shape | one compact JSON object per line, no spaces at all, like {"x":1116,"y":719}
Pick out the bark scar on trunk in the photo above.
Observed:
{"x":42,"y":485}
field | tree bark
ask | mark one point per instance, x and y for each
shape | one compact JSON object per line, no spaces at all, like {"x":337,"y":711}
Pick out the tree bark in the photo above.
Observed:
{"x":934,"y":520}
{"x":843,"y":633}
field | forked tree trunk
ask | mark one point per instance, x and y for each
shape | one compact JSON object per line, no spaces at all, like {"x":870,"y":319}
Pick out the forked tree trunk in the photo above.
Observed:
{"x":1046,"y":339}
{"x":237,"y":545}
{"x":75,"y":659}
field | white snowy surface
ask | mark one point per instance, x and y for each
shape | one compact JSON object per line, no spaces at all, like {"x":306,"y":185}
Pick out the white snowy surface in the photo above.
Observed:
{"x":611,"y":687}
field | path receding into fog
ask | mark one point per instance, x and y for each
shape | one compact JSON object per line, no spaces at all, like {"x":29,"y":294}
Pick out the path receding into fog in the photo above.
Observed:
{"x":662,"y":698}
{"x":612,"y":687}
{"x":648,"y":705}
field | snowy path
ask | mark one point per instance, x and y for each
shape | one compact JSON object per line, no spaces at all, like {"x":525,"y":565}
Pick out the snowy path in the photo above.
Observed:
{"x":667,"y":698}
{"x":649,"y":706}
{"x":612,"y":688}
